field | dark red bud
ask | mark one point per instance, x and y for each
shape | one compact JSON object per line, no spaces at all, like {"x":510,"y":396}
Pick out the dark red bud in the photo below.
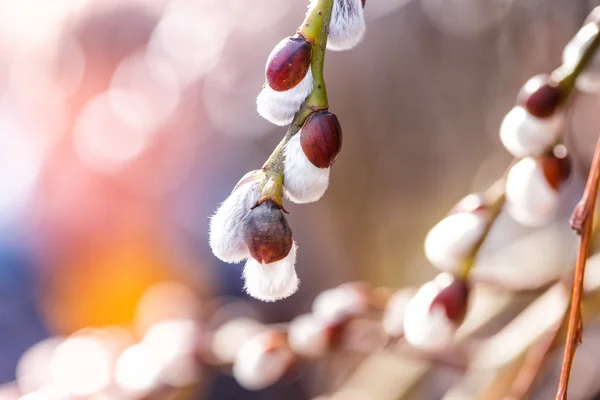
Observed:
{"x":288,"y":63}
{"x":321,"y":138}
{"x":557,"y":169}
{"x":335,"y":333}
{"x":540,"y":96}
{"x":267,"y":233}
{"x":454,"y":298}
{"x":474,"y":202}
{"x":364,"y":2}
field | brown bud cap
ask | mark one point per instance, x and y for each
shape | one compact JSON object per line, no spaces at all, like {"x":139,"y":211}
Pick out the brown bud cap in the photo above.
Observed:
{"x":453,"y":297}
{"x":275,"y":341}
{"x":364,"y":2}
{"x":557,"y":167}
{"x":541,"y":96}
{"x":321,"y":138}
{"x":288,"y":64}
{"x":267,"y":233}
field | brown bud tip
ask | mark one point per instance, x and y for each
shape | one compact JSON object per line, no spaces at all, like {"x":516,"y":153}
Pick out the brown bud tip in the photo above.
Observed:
{"x":364,"y":2}
{"x":453,"y":297}
{"x":288,"y":64}
{"x":321,"y":138}
{"x":275,"y":341}
{"x":474,"y":202}
{"x":557,"y":167}
{"x":267,"y":233}
{"x":540,"y":96}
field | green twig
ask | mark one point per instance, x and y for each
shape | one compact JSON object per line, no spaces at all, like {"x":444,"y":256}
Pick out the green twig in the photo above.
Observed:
{"x":567,"y":79}
{"x":494,"y":199}
{"x":315,"y":30}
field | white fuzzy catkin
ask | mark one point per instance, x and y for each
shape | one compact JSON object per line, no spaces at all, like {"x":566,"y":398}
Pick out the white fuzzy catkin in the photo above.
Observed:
{"x":274,"y":281}
{"x":335,"y":305}
{"x":226,"y":236}
{"x":309,"y":336}
{"x":589,"y":79}
{"x":525,"y":135}
{"x":303,"y":182}
{"x":262,"y":361}
{"x":347,"y":26}
{"x":395,"y":309}
{"x":531,"y":201}
{"x":279,"y":108}
{"x":453,"y":238}
{"x":427,"y":328}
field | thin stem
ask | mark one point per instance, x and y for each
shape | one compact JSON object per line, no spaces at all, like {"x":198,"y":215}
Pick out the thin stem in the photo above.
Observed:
{"x":315,"y":29}
{"x":495,"y":197}
{"x":582,"y":222}
{"x":585,"y":207}
{"x":567,"y":82}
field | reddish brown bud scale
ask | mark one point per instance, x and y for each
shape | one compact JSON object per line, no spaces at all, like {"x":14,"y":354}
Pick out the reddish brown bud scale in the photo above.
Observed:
{"x":363,"y":3}
{"x":267,"y":233}
{"x":540,"y":96}
{"x":288,"y":64}
{"x":335,"y":333}
{"x":276,"y":341}
{"x":321,"y":138}
{"x":556,"y":169}
{"x":454,"y":299}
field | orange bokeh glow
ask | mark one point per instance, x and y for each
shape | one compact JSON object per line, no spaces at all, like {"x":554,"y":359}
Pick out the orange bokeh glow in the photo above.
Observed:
{"x":102,"y":285}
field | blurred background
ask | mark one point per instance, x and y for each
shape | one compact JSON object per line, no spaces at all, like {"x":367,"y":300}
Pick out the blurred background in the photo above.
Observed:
{"x":123,"y":124}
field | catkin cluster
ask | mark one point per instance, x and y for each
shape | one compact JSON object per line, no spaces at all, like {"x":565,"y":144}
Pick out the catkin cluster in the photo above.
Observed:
{"x":532,"y":131}
{"x":251,"y":224}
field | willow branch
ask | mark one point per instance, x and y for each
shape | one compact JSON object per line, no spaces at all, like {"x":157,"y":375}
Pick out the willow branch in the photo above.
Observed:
{"x":582,"y":222}
{"x":495,"y":197}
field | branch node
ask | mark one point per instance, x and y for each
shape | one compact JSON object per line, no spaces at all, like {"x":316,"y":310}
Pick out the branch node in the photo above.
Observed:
{"x":579,"y":217}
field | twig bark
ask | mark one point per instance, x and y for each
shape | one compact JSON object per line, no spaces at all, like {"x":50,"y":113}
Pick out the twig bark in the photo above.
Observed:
{"x":582,"y":222}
